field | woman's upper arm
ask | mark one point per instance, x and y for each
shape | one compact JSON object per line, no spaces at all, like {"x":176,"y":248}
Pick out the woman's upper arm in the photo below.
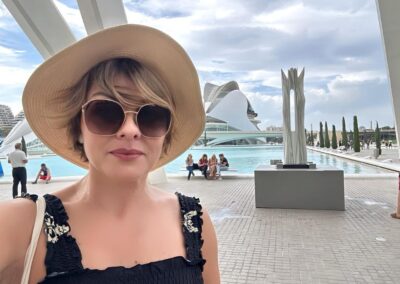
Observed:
{"x":16,"y":221}
{"x":210,"y":251}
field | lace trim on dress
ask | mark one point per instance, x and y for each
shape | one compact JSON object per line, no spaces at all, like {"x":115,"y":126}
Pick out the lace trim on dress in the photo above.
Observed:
{"x":29,"y":196}
{"x":63,"y":254}
{"x":192,"y":223}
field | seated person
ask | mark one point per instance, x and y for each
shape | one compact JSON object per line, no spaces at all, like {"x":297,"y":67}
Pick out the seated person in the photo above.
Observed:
{"x":203,"y":165}
{"x":190,"y":165}
{"x":223,"y":164}
{"x":43,"y":174}
{"x":212,"y":164}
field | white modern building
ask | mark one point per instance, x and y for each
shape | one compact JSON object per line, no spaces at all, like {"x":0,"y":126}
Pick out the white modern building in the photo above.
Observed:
{"x":6,"y":117}
{"x":49,"y":32}
{"x":228,"y":109}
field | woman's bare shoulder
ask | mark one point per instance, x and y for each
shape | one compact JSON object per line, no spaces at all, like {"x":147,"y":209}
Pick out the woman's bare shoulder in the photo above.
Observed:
{"x":210,"y":250}
{"x":16,"y":224}
{"x":17,"y":212}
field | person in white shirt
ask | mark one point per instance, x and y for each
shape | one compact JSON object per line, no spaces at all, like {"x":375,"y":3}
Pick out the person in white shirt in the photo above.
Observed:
{"x":18,"y":159}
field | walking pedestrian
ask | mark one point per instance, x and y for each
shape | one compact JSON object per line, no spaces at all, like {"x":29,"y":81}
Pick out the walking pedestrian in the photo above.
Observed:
{"x":396,"y":214}
{"x":18,"y":159}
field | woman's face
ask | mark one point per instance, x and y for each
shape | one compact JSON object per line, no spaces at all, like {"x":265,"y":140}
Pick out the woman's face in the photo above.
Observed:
{"x":127,"y":154}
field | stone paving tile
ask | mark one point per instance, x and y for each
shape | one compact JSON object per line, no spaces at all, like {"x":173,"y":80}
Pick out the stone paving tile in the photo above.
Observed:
{"x":359,"y":245}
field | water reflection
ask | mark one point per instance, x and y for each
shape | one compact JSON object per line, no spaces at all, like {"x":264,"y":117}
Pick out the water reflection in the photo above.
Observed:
{"x":246,"y":159}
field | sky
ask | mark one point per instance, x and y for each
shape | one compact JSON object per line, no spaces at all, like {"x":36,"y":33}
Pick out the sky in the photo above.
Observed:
{"x":337,"y":42}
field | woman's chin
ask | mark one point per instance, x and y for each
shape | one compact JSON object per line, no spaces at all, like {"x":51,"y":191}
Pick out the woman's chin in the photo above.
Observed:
{"x":126,"y":174}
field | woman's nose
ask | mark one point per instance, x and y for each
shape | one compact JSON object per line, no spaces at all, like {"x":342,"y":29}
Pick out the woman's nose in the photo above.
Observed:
{"x":129,"y":129}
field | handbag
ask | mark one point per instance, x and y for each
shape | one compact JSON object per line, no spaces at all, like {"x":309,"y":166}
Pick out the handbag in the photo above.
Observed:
{"x":40,"y":208}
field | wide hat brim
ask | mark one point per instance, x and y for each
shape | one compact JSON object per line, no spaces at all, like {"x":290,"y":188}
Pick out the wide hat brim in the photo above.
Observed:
{"x":152,"y":48}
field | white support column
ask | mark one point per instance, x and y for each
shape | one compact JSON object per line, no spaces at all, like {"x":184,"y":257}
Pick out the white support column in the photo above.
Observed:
{"x":389,"y":20}
{"x":101,"y":14}
{"x":42,"y":23}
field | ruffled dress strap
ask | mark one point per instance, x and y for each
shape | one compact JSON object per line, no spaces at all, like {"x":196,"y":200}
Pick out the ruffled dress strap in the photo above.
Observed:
{"x":28,"y":196}
{"x":192,"y":228}
{"x":63,"y":254}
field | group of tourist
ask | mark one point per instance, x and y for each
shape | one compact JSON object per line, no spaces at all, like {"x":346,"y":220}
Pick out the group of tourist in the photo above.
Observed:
{"x":18,"y":159}
{"x":210,"y":168}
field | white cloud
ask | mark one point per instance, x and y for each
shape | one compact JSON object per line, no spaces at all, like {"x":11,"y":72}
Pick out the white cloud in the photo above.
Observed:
{"x":338,"y":43}
{"x":11,"y":76}
{"x":9,"y":55}
{"x":73,"y":18}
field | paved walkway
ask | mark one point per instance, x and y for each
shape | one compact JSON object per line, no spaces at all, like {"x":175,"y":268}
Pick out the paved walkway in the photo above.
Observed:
{"x":359,"y":245}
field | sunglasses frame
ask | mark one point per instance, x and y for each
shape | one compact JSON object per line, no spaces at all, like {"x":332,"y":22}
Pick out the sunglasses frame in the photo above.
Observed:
{"x":84,"y":106}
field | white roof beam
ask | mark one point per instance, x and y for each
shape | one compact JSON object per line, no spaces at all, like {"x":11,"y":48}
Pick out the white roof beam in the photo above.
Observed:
{"x":43,"y":24}
{"x":101,"y":14}
{"x":389,"y":20}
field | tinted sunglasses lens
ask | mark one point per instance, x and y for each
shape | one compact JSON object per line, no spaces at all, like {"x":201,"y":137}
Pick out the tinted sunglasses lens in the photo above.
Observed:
{"x":104,"y":117}
{"x":153,"y":121}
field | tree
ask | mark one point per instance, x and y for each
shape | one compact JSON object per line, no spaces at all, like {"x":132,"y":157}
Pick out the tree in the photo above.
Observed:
{"x":378,"y":138}
{"x":344,"y":134}
{"x":334,"y":139}
{"x":23,"y":144}
{"x":321,"y":136}
{"x":356,"y":140}
{"x":327,"y":142}
{"x":312,"y":138}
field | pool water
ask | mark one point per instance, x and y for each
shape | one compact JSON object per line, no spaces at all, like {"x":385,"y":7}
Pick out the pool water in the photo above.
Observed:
{"x":243,"y":159}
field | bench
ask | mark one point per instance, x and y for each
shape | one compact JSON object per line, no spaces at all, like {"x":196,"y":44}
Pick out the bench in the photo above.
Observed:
{"x":208,"y":171}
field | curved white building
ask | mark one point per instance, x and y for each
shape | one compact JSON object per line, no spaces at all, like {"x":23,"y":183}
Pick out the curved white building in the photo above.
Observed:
{"x":228,"y":109}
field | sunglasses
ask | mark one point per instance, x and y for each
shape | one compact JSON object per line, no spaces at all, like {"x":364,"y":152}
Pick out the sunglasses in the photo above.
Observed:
{"x":105,"y":117}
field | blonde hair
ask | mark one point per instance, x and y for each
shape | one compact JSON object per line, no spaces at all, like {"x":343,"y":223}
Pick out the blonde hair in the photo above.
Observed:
{"x":150,"y":89}
{"x":213,"y":158}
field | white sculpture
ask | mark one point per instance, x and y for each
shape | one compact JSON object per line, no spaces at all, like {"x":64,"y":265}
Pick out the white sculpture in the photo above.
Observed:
{"x":294,"y":141}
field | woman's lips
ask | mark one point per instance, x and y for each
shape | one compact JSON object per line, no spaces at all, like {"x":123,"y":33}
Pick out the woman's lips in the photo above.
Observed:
{"x":126,"y":154}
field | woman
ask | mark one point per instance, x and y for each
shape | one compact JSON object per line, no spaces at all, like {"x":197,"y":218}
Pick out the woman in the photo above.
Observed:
{"x":117,"y":104}
{"x":203,"y":165}
{"x":189,"y":165}
{"x":396,"y":214}
{"x":43,"y":174}
{"x":213,"y":166}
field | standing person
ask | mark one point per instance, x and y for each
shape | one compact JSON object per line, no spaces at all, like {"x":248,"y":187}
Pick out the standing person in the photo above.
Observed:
{"x":203,"y":165}
{"x":43,"y":174}
{"x":396,"y":214}
{"x":18,"y":159}
{"x":121,"y":102}
{"x":189,"y":165}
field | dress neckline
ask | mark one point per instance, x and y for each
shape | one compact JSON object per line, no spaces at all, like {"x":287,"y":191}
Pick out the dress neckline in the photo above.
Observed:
{"x":77,"y":251}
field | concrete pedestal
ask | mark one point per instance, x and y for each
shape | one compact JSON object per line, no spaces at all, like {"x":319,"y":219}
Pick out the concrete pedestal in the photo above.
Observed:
{"x":321,"y":188}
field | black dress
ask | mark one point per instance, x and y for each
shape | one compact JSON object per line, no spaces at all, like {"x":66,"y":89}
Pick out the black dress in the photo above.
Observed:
{"x":63,"y":256}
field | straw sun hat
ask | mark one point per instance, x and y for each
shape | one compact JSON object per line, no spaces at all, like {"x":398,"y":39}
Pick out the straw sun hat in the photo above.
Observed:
{"x":152,"y":48}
